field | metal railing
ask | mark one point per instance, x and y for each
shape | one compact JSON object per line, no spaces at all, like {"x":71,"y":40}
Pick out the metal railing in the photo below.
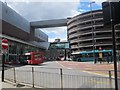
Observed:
{"x":59,"y":78}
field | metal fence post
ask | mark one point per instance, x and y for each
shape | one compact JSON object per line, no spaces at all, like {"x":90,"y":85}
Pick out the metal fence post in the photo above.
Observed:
{"x":61,"y":75}
{"x":33,"y":77}
{"x":14,"y":75}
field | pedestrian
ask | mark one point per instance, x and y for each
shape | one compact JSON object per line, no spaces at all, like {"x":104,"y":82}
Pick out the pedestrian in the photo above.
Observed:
{"x":111,"y":59}
{"x":107,"y":59}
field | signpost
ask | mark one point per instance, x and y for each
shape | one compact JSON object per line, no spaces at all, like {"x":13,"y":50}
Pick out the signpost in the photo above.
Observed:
{"x":4,"y":49}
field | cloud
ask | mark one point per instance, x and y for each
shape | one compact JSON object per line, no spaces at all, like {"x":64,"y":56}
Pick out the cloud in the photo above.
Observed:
{"x":35,"y":10}
{"x":42,"y":0}
{"x":53,"y":33}
{"x":43,"y":10}
{"x":53,"y":39}
{"x":88,"y":5}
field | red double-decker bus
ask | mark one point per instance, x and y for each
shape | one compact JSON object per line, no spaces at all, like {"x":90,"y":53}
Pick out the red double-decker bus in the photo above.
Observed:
{"x":34,"y":57}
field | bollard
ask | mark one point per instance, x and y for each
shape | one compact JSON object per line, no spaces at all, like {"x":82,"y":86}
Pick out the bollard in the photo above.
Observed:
{"x":110,"y":75}
{"x":61,"y":74}
{"x":110,"y":79}
{"x":3,"y":60}
{"x":33,"y":77}
{"x":14,"y":75}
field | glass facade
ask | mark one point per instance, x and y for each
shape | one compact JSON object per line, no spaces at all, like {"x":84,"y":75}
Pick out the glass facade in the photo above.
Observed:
{"x":58,"y":45}
{"x":58,"y":50}
{"x":0,"y":52}
{"x":16,"y":50}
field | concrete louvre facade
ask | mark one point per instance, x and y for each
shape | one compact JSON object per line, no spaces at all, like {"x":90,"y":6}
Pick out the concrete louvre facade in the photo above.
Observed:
{"x":80,"y":34}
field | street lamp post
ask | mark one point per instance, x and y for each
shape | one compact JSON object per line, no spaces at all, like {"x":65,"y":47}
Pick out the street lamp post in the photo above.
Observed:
{"x":93,"y":41}
{"x":114,"y":43}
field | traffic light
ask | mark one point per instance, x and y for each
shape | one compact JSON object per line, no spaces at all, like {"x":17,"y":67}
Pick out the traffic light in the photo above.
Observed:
{"x":111,"y":10}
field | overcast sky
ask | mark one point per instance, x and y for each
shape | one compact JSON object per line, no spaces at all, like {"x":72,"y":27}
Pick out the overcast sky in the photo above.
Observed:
{"x":35,"y":10}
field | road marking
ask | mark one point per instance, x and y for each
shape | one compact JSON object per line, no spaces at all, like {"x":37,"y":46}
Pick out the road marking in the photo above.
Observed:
{"x":69,"y":68}
{"x":101,"y":74}
{"x":63,"y":66}
{"x":99,"y":82}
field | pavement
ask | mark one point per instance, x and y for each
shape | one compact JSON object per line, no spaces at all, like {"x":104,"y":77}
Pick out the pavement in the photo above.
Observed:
{"x":8,"y":84}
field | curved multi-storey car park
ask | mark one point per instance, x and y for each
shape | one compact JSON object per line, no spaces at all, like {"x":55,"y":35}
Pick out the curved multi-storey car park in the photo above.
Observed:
{"x":86,"y":32}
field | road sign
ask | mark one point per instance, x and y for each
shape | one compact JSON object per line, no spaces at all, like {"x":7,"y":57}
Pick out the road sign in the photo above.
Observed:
{"x":4,"y":44}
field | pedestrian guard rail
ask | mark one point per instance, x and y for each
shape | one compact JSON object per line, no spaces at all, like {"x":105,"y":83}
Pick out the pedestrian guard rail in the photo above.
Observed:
{"x":60,"y":78}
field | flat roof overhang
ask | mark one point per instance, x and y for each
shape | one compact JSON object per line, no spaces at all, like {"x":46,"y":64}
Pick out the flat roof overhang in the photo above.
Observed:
{"x":49,"y":23}
{"x":21,"y":41}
